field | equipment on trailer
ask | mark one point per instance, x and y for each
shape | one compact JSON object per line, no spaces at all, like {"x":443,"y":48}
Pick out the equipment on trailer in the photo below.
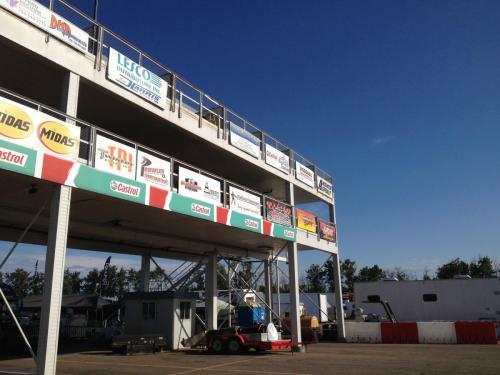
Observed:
{"x":310,"y":328}
{"x":251,"y":314}
{"x":236,"y":339}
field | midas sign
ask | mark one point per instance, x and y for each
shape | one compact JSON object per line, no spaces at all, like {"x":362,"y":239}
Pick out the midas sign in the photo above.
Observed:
{"x":18,"y":124}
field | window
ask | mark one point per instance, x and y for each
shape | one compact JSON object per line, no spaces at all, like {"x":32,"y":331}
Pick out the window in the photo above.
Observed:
{"x":374,"y":298}
{"x":148,"y":310}
{"x":185,"y":310}
{"x":430,"y":297}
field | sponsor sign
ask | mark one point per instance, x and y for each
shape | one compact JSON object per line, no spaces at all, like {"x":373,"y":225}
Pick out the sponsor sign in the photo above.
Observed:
{"x":17,"y":158}
{"x":304,"y":174}
{"x":244,"y":202}
{"x":324,"y":187}
{"x":275,"y":158}
{"x":278,"y":213}
{"x":142,"y":82}
{"x":27,"y":127}
{"x":153,"y":170}
{"x":42,"y":17}
{"x":68,"y":33}
{"x":114,"y":157}
{"x":306,"y":221}
{"x":198,"y":186}
{"x":244,"y":140}
{"x":327,"y":231}
{"x":243,"y":221}
{"x":192,"y":207}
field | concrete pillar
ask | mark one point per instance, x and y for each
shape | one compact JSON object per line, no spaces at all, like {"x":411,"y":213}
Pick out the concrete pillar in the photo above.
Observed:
{"x":268,"y":289}
{"x":211,"y":292}
{"x":339,"y":305}
{"x":145,"y":272}
{"x":53,"y":283}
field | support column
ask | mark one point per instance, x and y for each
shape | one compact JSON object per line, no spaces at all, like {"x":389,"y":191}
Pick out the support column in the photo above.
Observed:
{"x":339,"y":304}
{"x":145,"y":272}
{"x":268,"y":289}
{"x":293,"y":272}
{"x":211,"y":292}
{"x":53,"y":283}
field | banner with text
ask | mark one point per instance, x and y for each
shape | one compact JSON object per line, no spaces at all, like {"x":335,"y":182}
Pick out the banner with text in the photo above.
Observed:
{"x":153,"y":170}
{"x":277,"y":159}
{"x":244,"y":140}
{"x":306,"y":221}
{"x":198,"y":186}
{"x":278,"y":212}
{"x":244,"y":202}
{"x":327,"y":231}
{"x":130,"y":75}
{"x":114,"y":157}
{"x":324,"y":187}
{"x":28,"y":127}
{"x":304,"y":174}
{"x":45,"y":19}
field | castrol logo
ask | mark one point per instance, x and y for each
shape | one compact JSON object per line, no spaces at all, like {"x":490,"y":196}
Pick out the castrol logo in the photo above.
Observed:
{"x":14,"y":122}
{"x":57,"y":137}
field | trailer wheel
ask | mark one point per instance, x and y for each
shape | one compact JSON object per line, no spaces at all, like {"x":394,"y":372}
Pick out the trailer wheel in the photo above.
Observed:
{"x":217,"y":346}
{"x":234,"y":346}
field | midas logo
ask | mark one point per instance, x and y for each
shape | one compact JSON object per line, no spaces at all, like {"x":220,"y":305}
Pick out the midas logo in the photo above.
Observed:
{"x":57,"y":137}
{"x":14,"y":122}
{"x":60,"y":25}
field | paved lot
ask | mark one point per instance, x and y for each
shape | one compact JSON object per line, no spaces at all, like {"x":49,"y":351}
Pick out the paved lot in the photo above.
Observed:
{"x":320,"y":359}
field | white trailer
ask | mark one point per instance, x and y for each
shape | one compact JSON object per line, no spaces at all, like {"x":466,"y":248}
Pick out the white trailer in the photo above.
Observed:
{"x":429,"y":300}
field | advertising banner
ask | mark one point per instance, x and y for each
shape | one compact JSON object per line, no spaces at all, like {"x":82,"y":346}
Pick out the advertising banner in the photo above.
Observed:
{"x":153,"y":170}
{"x":68,"y":33}
{"x":278,"y":213}
{"x":306,"y":221}
{"x":327,"y":231}
{"x":275,"y":158}
{"x":244,"y":202}
{"x":135,"y":78}
{"x":324,"y":187}
{"x":114,"y":157}
{"x":27,"y":127}
{"x":304,"y":174}
{"x":198,"y":186}
{"x":42,"y":17}
{"x":244,"y":140}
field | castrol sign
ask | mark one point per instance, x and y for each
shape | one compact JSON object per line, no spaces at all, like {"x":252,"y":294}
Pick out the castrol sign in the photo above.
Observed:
{"x":30,"y":128}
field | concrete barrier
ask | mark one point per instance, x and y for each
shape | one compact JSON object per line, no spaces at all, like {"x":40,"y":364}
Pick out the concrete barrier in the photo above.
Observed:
{"x":436,"y":333}
{"x":476,"y":332}
{"x":363,"y":332}
{"x":399,"y":333}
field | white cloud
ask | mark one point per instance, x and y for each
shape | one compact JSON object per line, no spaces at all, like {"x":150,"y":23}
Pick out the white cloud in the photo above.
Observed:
{"x":377,"y":141}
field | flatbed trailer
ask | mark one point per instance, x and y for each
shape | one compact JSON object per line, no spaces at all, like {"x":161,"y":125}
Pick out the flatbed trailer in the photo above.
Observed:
{"x":235,"y":342}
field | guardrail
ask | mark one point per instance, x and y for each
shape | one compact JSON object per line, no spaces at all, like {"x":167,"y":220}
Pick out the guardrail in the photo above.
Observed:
{"x":183,"y":95}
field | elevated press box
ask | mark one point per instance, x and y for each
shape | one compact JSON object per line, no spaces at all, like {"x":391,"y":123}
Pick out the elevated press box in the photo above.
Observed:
{"x":168,"y":314}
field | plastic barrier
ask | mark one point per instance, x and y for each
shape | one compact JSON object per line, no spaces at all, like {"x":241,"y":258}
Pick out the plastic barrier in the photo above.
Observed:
{"x":476,"y":332}
{"x":364,"y":332}
{"x":399,"y":333}
{"x":436,"y":333}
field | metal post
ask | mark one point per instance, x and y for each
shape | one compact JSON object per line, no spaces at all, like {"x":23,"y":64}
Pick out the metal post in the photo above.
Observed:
{"x":200,"y":124}
{"x":51,"y":7}
{"x":268,"y":289}
{"x":145,"y":272}
{"x":229,"y":292}
{"x":339,"y":304}
{"x":53,"y":283}
{"x":95,"y":28}
{"x":174,"y":92}
{"x":211,"y":292}
{"x":278,"y":292}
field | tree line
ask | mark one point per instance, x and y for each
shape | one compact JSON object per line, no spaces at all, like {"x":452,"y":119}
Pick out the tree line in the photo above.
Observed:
{"x":115,"y":282}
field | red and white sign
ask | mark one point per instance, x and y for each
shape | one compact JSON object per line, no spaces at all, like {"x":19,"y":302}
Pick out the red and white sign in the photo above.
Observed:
{"x":277,"y":159}
{"x":195,"y":185}
{"x":153,"y":170}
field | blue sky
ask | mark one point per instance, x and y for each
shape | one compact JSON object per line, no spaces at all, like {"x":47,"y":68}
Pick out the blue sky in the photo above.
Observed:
{"x":399,"y":100}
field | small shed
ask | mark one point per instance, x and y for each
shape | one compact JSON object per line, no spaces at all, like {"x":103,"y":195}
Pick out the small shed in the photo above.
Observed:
{"x":169,"y":314}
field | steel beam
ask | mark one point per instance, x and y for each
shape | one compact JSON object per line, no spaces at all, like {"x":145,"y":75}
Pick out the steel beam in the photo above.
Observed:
{"x":211,"y":292}
{"x":145,"y":272}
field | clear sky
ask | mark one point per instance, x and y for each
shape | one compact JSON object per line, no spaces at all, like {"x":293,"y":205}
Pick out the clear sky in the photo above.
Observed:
{"x":399,"y":100}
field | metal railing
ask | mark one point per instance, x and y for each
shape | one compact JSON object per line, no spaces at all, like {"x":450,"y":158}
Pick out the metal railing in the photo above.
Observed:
{"x":184,"y":97}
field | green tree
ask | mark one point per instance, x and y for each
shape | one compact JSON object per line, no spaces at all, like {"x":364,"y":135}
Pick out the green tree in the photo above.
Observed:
{"x":397,"y":273}
{"x":374,"y":273}
{"x":91,"y":282}
{"x":36,"y":283}
{"x":315,"y":276}
{"x":72,"y":282}
{"x":222,"y":276}
{"x":453,"y":268}
{"x":482,"y":267}
{"x":19,"y":280}
{"x":132,"y":280}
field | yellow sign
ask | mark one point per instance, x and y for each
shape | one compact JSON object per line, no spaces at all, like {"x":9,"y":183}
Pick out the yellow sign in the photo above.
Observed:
{"x":14,"y":122}
{"x":57,"y":137}
{"x":306,"y":221}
